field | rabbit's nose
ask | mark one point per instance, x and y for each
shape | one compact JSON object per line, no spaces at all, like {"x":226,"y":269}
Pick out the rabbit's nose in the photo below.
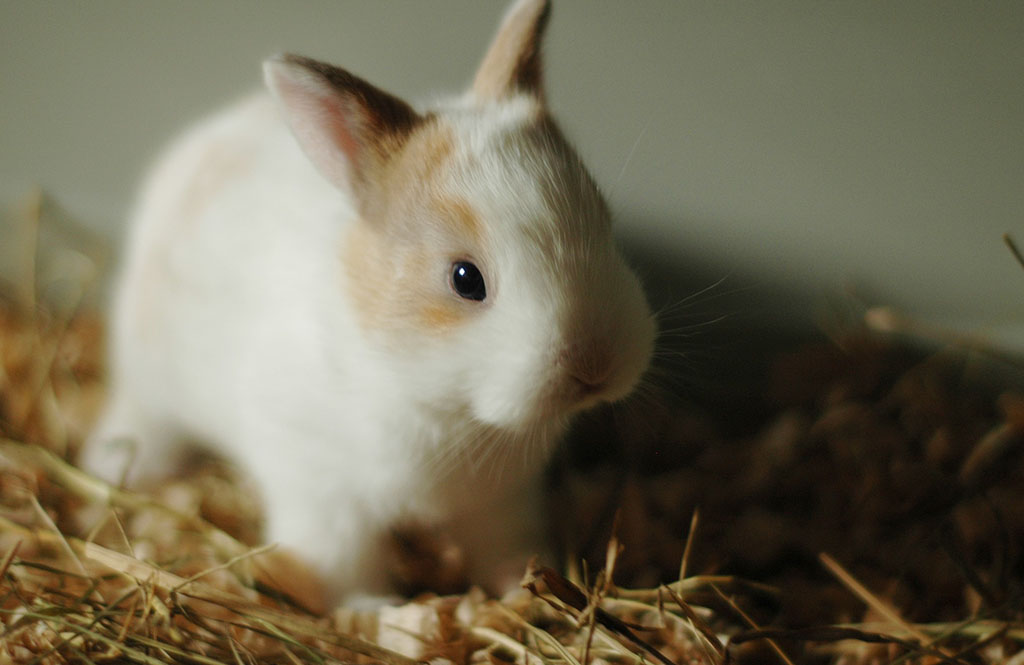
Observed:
{"x":588,"y":366}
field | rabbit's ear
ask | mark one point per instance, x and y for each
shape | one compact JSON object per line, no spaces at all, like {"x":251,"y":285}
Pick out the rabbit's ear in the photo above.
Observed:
{"x":513,"y":63}
{"x":346,"y":126}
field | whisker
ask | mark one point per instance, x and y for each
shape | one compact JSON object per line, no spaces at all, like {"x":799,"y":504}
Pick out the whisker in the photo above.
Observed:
{"x":629,"y":156}
{"x":691,"y":329}
{"x":705,"y":294}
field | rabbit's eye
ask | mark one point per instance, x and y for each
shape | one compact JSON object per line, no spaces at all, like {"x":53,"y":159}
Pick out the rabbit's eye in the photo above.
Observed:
{"x":467,"y":281}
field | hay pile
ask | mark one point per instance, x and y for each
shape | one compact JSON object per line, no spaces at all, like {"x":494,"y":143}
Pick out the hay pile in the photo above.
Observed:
{"x":875,"y":516}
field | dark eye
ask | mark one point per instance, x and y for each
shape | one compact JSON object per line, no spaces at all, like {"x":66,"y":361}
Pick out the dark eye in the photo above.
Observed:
{"x":467,"y":281}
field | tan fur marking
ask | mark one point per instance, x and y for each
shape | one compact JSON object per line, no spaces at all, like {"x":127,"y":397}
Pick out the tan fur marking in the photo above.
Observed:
{"x":389,"y":256}
{"x":361,"y":257}
{"x":432,"y":148}
{"x":387,"y":290}
{"x":441,"y":315}
{"x":460,"y":217}
{"x":408,"y":171}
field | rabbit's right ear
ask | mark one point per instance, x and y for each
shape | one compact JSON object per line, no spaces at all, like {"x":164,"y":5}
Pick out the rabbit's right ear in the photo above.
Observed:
{"x":513,"y":60}
{"x":346,"y":126}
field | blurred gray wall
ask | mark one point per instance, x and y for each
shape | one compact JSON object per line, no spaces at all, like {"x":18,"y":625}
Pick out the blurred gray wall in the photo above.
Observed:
{"x":818,"y":155}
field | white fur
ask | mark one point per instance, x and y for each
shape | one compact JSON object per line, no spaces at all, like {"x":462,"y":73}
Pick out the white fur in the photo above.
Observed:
{"x":234,"y":326}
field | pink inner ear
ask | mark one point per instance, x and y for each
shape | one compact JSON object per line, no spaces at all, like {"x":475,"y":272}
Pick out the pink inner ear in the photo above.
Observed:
{"x":338,"y":128}
{"x":321,"y":121}
{"x":336,"y":117}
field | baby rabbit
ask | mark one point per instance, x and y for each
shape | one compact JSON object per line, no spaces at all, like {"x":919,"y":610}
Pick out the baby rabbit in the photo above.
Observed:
{"x":382,"y":314}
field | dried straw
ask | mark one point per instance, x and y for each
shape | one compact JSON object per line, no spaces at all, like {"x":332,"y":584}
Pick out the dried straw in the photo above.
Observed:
{"x":91,"y":573}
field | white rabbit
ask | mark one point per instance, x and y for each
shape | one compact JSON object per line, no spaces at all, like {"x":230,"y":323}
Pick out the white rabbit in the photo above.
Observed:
{"x":380,"y":314}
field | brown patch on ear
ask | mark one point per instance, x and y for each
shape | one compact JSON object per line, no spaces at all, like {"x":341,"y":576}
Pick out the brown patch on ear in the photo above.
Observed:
{"x":513,"y":62}
{"x":347,"y":127}
{"x":381,"y":114}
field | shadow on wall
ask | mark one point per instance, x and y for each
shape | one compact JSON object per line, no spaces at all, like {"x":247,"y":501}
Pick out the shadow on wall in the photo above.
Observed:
{"x":719,"y":327}
{"x":730,"y":343}
{"x":710,"y":385}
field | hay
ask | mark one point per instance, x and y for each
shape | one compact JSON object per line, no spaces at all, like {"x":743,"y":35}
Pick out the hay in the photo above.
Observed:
{"x":876,"y":516}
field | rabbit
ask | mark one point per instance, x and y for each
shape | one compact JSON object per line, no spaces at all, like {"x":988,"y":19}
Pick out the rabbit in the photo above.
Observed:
{"x":380,"y":313}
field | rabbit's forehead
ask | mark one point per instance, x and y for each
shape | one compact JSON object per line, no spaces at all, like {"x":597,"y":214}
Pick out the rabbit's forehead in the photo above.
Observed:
{"x":518,"y":171}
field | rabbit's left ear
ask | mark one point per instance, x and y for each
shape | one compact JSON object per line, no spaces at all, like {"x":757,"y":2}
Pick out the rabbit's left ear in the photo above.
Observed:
{"x":347,"y":127}
{"x":513,"y":63}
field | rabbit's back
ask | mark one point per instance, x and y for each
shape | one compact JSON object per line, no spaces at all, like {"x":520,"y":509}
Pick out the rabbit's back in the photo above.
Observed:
{"x":230,"y":226}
